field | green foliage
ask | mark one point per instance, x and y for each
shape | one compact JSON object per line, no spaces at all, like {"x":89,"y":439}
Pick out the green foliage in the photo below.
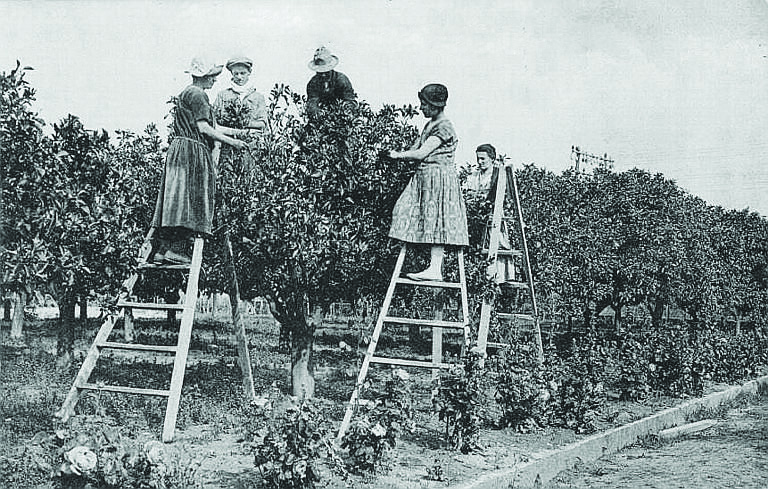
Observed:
{"x":288,"y":445}
{"x":677,"y":366}
{"x":460,"y":401}
{"x":379,"y":423}
{"x":580,"y":379}
{"x":733,"y":357}
{"x":522,"y":390}
{"x":634,"y":369}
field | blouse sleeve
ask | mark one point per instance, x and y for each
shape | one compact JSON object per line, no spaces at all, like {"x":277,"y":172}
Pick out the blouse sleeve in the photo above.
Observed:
{"x":258,"y":111}
{"x":444,"y":131}
{"x":200,"y":106}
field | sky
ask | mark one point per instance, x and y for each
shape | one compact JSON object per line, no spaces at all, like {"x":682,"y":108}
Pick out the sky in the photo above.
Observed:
{"x":679,"y":88}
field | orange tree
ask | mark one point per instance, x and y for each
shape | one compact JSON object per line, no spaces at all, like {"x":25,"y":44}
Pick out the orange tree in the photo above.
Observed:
{"x":309,"y":215}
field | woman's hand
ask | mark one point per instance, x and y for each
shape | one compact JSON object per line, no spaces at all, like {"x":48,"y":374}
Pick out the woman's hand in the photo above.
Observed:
{"x":393,"y":154}
{"x":239,"y":144}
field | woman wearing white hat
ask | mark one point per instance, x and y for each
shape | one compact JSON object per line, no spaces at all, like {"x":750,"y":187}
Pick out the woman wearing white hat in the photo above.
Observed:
{"x":186,"y":199}
{"x":241,"y":93}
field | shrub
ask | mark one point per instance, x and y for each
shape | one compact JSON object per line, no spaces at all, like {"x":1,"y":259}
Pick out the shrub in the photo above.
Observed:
{"x":633,"y":370}
{"x":521,"y":389}
{"x":460,"y":402}
{"x":676,"y":364}
{"x":384,"y":417}
{"x":581,"y":393}
{"x":288,"y":445}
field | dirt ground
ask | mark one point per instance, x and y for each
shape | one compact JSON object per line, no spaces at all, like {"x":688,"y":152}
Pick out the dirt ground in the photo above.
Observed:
{"x":419,"y":461}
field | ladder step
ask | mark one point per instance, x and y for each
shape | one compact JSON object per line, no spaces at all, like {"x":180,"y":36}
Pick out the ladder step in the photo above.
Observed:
{"x":137,"y":347}
{"x":126,"y":390}
{"x":505,"y":315}
{"x":424,"y":322}
{"x":411,"y":363}
{"x":492,"y":344}
{"x":151,"y":306}
{"x":429,"y":283}
{"x":516,"y":285}
{"x":153,"y":266}
{"x":518,"y":253}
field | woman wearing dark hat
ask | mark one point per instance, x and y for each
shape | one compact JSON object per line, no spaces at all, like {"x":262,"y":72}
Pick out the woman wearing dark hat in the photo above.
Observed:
{"x":328,"y":85}
{"x":431,"y":208}
{"x":185,"y":202}
{"x":241,"y":92}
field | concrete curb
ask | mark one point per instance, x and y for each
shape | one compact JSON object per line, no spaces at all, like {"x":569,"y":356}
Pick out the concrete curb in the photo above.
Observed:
{"x":545,"y":465}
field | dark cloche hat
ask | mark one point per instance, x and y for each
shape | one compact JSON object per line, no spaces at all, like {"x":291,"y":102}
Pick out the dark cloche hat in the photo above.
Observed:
{"x":434,"y":94}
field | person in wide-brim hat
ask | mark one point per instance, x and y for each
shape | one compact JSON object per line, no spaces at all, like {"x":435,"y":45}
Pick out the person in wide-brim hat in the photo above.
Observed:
{"x":200,"y":67}
{"x":327,"y":86}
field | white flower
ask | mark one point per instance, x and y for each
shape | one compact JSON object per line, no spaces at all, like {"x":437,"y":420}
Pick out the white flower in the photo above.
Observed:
{"x":81,"y":460}
{"x":401,"y":374}
{"x":379,"y":430}
{"x":155,"y":452}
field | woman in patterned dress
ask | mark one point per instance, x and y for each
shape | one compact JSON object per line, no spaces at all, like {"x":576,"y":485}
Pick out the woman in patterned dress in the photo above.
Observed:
{"x":431,"y":208}
{"x":186,"y":198}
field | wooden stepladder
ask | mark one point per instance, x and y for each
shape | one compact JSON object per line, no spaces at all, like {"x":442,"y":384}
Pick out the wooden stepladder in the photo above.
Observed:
{"x":437,"y":325}
{"x":179,"y":351}
{"x":518,"y":260}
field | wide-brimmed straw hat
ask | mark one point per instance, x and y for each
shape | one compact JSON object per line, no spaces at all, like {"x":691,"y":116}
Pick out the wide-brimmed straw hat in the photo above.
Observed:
{"x":323,"y":60}
{"x":239,"y":60}
{"x":200,"y":67}
{"x":434,"y":94}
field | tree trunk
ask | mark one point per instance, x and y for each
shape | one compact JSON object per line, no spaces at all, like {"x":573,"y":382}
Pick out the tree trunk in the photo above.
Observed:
{"x":657,"y":313}
{"x":617,"y":317}
{"x":302,"y":355}
{"x":6,"y":309}
{"x":65,"y":346}
{"x":20,"y":300}
{"x":84,"y":308}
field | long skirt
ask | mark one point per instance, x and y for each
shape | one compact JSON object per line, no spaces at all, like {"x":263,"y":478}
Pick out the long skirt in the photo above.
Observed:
{"x":431,"y":208}
{"x":188,"y":190}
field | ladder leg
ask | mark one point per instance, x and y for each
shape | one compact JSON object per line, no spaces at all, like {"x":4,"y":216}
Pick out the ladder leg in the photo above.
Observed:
{"x":464,"y":300}
{"x":86,"y":368}
{"x":371,"y":346}
{"x":185,"y":334}
{"x":243,"y":356}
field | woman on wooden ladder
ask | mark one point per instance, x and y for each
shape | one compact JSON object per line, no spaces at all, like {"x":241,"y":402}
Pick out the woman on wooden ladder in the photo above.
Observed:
{"x":186,"y":199}
{"x":431,"y":209}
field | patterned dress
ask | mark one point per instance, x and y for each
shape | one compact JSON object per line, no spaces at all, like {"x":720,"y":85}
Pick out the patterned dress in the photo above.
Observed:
{"x":187,"y":192}
{"x":431,"y":208}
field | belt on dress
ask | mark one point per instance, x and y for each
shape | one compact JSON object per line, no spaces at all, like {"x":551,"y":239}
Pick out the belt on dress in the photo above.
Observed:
{"x":194,"y":141}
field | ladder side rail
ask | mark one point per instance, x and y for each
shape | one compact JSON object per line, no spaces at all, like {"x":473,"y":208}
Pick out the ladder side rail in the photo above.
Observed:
{"x":526,"y":260}
{"x":372,"y":345}
{"x":185,"y":333}
{"x":464,"y":299}
{"x":493,"y":250}
{"x":243,"y":355}
{"x":68,"y":406}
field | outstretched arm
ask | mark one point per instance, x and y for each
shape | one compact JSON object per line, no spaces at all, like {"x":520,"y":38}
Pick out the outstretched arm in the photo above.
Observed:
{"x":221,"y":135}
{"x":419,"y":153}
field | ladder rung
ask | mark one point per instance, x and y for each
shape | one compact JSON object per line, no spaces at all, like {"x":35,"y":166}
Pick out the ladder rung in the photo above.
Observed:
{"x":153,"y":266}
{"x":506,"y":252}
{"x":424,"y":322}
{"x":126,"y":390}
{"x":411,"y":363}
{"x":137,"y":347}
{"x":505,"y":315}
{"x":492,"y":344}
{"x":151,"y":306}
{"x":429,"y":283}
{"x":517,"y":285}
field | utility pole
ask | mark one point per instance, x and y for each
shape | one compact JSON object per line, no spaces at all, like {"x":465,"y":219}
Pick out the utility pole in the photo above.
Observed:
{"x":578,"y":157}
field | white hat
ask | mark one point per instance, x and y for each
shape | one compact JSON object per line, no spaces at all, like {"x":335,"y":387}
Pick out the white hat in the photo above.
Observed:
{"x":200,"y":67}
{"x":323,"y":60}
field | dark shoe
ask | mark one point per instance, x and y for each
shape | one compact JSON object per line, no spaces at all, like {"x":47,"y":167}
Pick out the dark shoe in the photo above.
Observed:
{"x":158,"y":258}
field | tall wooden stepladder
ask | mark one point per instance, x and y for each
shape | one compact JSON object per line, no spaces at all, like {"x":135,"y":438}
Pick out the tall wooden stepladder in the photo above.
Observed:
{"x":506,"y":188}
{"x":437,"y":325}
{"x":179,"y":351}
